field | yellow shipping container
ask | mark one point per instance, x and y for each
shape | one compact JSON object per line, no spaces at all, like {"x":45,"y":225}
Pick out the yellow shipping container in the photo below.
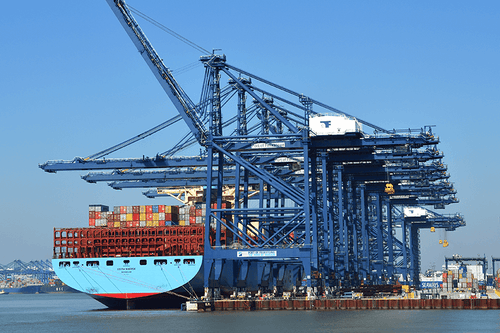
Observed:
{"x":171,"y":209}
{"x":156,"y":216}
{"x":149,"y":223}
{"x":143,"y":215}
{"x":117,"y":224}
{"x":182,"y":222}
{"x":406,"y":288}
{"x":130,"y":217}
{"x":156,"y":223}
{"x":411,"y":295}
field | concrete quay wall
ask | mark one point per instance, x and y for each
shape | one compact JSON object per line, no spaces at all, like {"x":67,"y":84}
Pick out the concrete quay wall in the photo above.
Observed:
{"x":347,"y":304}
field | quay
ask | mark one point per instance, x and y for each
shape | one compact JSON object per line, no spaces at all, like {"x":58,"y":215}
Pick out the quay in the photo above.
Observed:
{"x":342,"y":304}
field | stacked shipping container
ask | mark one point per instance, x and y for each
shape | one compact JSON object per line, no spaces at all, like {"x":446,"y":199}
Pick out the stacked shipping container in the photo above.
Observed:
{"x":149,"y":215}
{"x":196,"y":214}
{"x":150,"y":230}
{"x":132,"y":242}
{"x":461,"y":279}
{"x":133,"y":216}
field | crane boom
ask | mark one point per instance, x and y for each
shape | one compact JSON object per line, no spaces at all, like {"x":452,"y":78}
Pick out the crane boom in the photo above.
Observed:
{"x":181,"y":101}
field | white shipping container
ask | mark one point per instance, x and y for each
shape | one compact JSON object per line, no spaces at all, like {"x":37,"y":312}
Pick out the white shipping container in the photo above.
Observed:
{"x":142,"y":223}
{"x":98,"y":208}
{"x":123,"y":217}
{"x":161,"y":216}
{"x":129,"y":210}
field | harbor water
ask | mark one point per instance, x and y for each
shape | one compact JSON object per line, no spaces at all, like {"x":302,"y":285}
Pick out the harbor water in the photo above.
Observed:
{"x":57,"y":313}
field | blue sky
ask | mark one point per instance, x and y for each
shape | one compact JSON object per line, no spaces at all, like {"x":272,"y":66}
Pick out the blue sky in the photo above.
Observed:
{"x":72,"y":84}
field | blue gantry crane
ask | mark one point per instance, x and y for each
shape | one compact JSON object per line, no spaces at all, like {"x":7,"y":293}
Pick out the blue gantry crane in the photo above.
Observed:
{"x":330,"y":205}
{"x":40,"y":270}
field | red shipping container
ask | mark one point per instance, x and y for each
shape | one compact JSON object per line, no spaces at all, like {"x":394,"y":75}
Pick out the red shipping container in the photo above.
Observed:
{"x":130,"y":224}
{"x":123,"y":224}
{"x":91,"y":222}
{"x":136,"y":224}
{"x":161,"y":208}
{"x":149,"y":217}
{"x":171,"y":217}
{"x":149,"y":209}
{"x":192,"y":211}
{"x":192,"y":220}
{"x":97,"y":215}
{"x":136,"y":209}
{"x":91,"y":215}
{"x":198,"y":213}
{"x":111,"y":224}
{"x":136,"y":217}
{"x":123,"y":209}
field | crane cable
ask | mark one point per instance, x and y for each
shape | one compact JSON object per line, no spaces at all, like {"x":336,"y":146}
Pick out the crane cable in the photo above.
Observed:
{"x":169,"y":31}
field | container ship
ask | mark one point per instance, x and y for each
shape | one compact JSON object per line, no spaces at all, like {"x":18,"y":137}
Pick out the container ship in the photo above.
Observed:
{"x":136,"y":257}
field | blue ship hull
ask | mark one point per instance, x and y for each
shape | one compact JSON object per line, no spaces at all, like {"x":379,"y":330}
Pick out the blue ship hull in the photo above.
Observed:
{"x":134,"y":282}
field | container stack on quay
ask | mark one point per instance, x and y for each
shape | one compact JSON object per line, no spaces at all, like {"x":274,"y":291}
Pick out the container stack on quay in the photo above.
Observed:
{"x":497,"y":280}
{"x":461,"y":280}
